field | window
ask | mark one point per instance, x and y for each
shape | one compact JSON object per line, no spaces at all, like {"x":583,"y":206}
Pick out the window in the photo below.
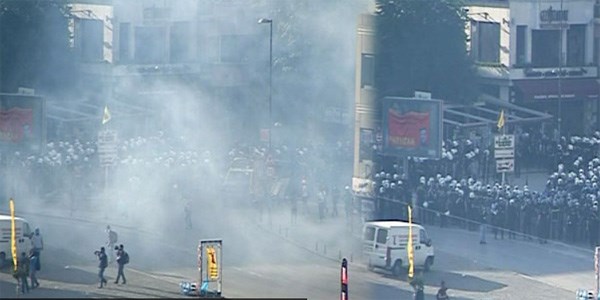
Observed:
{"x":124,"y":39}
{"x":596,"y":49}
{"x":91,"y":40}
{"x":576,"y":45}
{"x":367,"y":76}
{"x":179,"y":42}
{"x":544,"y":48}
{"x":488,"y":43}
{"x":150,"y":44}
{"x":485,"y":41}
{"x":423,"y":238}
{"x":521,"y":44}
{"x":369,"y":233}
{"x":382,"y":236}
{"x":26,"y":229}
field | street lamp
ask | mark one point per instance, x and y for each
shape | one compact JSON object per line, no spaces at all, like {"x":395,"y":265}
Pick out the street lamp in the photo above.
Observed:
{"x":560,"y":62}
{"x":270,"y":22}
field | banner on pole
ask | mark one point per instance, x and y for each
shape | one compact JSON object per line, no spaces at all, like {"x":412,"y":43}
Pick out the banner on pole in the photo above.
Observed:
{"x":409,"y":247}
{"x":13,"y":233}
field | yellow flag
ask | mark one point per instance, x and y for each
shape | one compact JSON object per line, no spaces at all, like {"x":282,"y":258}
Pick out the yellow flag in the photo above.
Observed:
{"x":411,"y":255}
{"x":106,"y":117}
{"x":13,"y":232}
{"x":501,"y":120}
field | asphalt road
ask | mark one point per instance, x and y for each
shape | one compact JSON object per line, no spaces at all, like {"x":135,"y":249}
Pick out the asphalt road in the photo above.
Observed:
{"x":260,"y":264}
{"x":257,"y":264}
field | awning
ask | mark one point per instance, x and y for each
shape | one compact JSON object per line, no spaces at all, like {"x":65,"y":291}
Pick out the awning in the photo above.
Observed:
{"x":487,"y":111}
{"x":89,"y":111}
{"x":547,"y":89}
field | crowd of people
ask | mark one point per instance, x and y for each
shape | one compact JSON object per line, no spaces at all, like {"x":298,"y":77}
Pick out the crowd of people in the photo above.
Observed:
{"x":566,"y":209}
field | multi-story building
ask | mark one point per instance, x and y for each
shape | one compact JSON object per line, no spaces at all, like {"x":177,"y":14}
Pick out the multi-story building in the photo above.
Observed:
{"x":162,"y":47}
{"x":541,"y":54}
{"x":533,"y":55}
{"x":146,"y":57}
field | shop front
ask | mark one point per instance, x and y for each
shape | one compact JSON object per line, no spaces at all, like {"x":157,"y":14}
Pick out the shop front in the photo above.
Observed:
{"x":574,"y":101}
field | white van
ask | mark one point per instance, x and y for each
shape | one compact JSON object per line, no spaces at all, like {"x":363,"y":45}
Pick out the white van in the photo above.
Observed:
{"x":385,"y":242}
{"x":23,"y":232}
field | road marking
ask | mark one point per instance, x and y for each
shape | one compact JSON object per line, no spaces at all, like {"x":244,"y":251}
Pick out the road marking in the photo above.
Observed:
{"x":153,"y":276}
{"x":247,"y":271}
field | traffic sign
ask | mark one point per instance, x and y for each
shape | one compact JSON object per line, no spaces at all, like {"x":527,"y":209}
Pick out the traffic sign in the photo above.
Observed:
{"x":505,"y":141}
{"x":505,"y":165}
{"x":504,"y":153}
{"x":107,"y":147}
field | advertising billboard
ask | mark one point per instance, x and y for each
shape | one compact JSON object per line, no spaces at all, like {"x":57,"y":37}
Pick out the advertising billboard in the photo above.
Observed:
{"x":412,"y":127}
{"x":22,"y":121}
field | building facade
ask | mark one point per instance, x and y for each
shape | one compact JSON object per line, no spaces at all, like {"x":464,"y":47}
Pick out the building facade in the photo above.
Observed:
{"x":541,"y":54}
{"x":536,"y":54}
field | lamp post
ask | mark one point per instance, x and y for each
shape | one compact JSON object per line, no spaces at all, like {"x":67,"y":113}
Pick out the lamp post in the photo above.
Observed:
{"x":560,"y":62}
{"x":270,"y":22}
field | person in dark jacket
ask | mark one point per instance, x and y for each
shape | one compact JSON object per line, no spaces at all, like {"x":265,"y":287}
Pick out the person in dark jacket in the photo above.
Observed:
{"x":419,"y":286}
{"x":121,"y":261}
{"x":103,"y":263}
{"x":33,"y":260}
{"x":22,"y":272}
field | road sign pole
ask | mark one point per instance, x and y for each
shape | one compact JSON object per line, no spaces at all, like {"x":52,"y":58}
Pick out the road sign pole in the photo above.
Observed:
{"x":597,"y":269}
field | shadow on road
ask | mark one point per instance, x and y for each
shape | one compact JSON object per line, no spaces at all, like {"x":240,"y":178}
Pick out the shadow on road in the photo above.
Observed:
{"x":454,"y":281}
{"x":8,"y":290}
{"x":380,"y":291}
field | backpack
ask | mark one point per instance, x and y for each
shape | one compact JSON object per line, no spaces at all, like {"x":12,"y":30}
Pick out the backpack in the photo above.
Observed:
{"x":125,"y":258}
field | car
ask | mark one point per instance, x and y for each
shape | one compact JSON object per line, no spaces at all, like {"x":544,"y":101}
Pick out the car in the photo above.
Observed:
{"x":385,"y":245}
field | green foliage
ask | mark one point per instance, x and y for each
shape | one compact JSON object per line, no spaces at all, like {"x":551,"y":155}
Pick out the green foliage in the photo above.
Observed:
{"x":421,"y":46}
{"x":34,"y":49}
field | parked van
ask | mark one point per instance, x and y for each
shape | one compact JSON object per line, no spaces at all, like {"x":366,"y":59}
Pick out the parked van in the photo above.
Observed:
{"x":385,"y":246}
{"x":23,"y":232}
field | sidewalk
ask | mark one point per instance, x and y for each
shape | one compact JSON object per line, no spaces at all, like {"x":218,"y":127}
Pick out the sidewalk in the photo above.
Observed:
{"x":333,"y":239}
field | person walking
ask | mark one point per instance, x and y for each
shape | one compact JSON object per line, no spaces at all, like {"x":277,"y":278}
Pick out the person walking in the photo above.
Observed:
{"x":112,"y":238}
{"x":483,"y":226}
{"x":122,"y":260}
{"x":37,"y":244}
{"x":419,"y":286}
{"x":22,"y":272}
{"x":294,"y":209}
{"x":33,"y":261}
{"x":335,"y":197}
{"x":322,"y":196}
{"x":103,"y":263}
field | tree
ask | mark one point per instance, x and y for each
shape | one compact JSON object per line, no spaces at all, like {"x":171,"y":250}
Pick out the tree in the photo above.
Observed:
{"x":34,"y":48}
{"x":421,"y":45}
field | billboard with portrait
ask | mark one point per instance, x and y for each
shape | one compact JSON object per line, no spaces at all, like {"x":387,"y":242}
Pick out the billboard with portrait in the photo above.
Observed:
{"x":412,"y":127}
{"x":22,"y":121}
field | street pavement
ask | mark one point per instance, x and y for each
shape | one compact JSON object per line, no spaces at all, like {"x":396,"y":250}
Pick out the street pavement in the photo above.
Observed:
{"x":255,"y":264}
{"x":277,"y":258}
